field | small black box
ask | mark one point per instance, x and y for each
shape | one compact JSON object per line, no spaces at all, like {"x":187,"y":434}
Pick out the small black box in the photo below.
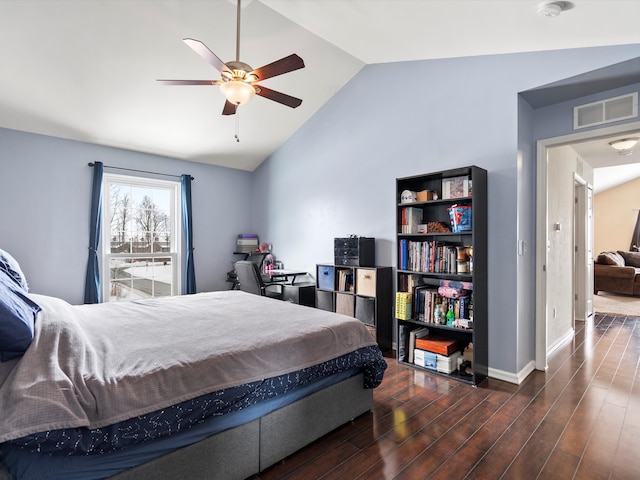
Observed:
{"x":355,"y":251}
{"x":302,"y":294}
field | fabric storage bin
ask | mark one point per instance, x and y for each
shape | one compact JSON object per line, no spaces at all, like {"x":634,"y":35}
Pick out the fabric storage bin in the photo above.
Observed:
{"x":324,"y":300}
{"x":425,"y":359}
{"x":366,"y":282}
{"x":345,"y":304}
{"x":365,"y":310}
{"x":326,"y":277}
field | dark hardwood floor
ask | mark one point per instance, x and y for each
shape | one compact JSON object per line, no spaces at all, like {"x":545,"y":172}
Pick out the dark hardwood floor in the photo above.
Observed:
{"x":580,"y":419}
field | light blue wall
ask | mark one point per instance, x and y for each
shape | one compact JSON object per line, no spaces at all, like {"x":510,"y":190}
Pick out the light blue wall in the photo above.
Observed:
{"x":525,"y":327}
{"x":44,"y":207}
{"x":336,"y":175}
{"x":557,"y":120}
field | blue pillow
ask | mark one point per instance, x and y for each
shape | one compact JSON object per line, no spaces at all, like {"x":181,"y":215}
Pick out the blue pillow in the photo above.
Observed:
{"x":17,"y":318}
{"x":12,"y":268}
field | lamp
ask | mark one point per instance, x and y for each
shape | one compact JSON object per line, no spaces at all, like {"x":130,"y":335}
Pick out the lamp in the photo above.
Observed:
{"x":237,"y":91}
{"x":624,"y":144}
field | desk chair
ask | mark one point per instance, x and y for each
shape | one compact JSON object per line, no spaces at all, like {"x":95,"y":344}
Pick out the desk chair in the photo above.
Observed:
{"x":251,"y":281}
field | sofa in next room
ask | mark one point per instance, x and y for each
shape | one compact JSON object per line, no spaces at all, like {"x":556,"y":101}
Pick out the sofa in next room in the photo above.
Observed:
{"x":617,"y":272}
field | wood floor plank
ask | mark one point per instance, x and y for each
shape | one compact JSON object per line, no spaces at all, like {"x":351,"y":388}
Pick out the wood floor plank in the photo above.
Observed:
{"x":580,"y":419}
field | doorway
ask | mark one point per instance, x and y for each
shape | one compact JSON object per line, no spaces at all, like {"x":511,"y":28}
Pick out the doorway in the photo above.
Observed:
{"x":546,"y":337}
{"x":582,"y":250}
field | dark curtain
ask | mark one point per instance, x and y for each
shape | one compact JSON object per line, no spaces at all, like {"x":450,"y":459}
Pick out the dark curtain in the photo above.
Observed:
{"x":635,"y":239}
{"x":92,"y":282}
{"x":190,"y":274}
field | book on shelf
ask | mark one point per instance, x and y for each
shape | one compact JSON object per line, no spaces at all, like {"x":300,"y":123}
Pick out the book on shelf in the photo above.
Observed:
{"x":411,"y":219}
{"x":413,"y":336}
{"x":403,"y":305}
{"x":403,"y":331}
{"x":424,"y":297}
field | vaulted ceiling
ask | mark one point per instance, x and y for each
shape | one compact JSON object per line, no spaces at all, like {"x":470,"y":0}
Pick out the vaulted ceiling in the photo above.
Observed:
{"x":86,"y":70}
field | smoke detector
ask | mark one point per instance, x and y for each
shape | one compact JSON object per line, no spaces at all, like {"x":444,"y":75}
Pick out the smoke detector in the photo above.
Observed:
{"x":553,"y":8}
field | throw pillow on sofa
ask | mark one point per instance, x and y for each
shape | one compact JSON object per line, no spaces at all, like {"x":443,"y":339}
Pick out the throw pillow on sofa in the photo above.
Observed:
{"x":631,"y":259}
{"x":610,"y":258}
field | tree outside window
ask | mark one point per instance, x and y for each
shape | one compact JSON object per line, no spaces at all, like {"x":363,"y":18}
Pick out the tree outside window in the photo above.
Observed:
{"x":141,"y":258}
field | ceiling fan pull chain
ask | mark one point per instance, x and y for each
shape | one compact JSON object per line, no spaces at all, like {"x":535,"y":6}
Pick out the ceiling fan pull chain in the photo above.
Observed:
{"x":237,"y":135}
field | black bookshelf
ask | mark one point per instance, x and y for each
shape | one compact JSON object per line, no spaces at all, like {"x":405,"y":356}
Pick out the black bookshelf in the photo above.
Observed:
{"x":427,"y":255}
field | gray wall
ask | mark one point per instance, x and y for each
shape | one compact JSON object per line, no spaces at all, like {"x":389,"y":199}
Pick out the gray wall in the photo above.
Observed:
{"x":45,"y":186}
{"x":336,"y":175}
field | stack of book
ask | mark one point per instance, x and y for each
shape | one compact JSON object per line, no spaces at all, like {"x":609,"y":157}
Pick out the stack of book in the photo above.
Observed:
{"x":247,"y":243}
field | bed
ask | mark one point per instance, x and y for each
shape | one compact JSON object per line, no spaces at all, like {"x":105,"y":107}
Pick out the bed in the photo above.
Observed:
{"x":212,"y":385}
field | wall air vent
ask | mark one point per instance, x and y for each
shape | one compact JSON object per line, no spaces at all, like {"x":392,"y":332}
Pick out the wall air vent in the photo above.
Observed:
{"x":606,"y":111}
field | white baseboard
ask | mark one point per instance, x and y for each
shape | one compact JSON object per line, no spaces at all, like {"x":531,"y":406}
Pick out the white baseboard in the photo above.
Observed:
{"x":519,"y":377}
{"x":510,"y":377}
{"x":559,"y":343}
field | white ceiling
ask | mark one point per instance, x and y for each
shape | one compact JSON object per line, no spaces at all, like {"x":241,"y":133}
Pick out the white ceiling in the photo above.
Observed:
{"x":611,"y":168}
{"x":86,"y":70}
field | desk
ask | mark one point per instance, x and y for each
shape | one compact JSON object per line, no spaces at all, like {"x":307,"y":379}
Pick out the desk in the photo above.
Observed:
{"x":282,"y":276}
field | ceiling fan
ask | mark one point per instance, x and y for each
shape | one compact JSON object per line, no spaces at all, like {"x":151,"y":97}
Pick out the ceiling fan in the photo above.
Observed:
{"x":239,"y":81}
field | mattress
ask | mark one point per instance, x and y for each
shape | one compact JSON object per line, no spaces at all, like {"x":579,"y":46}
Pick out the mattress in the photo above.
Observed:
{"x":184,"y":415}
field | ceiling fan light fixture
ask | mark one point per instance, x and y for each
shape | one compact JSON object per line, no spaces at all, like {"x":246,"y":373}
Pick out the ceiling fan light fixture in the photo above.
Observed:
{"x":237,"y":92}
{"x":624,"y":144}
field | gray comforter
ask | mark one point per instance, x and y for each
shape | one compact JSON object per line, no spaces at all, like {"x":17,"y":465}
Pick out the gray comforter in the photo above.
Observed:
{"x":95,"y":365}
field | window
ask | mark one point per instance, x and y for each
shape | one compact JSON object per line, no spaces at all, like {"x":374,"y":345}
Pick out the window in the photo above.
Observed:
{"x":140,"y":239}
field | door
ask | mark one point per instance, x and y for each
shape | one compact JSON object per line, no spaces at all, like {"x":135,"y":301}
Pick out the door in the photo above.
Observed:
{"x":581,"y":250}
{"x":589,"y":245}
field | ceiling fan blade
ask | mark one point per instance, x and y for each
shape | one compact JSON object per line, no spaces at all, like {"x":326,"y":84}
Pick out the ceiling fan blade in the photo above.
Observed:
{"x":188,"y":82}
{"x":282,"y":98}
{"x":284,"y":65}
{"x":202,"y":50}
{"x":229,"y":108}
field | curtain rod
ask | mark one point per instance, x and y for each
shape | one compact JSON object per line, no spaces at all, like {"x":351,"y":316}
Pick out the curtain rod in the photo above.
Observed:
{"x":91,"y":164}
